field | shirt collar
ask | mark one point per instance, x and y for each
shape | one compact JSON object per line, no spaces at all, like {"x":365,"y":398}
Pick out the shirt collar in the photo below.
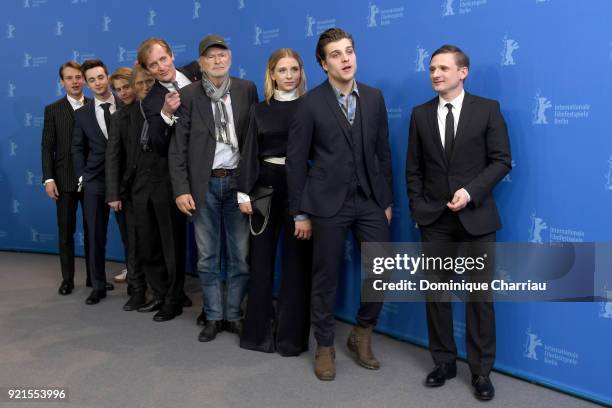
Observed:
{"x":110,"y":100}
{"x":76,"y":101}
{"x":180,"y":78}
{"x":457,"y":102}
{"x":340,"y":95}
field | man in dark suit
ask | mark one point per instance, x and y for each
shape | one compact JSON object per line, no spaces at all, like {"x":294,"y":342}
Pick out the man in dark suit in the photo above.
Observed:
{"x":341,"y":127}
{"x":162,"y":253}
{"x":203,"y":157}
{"x":121,"y":157}
{"x":58,"y":172}
{"x":91,"y":128}
{"x":458,"y":150}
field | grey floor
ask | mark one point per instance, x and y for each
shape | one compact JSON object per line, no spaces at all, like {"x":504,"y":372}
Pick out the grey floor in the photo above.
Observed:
{"x":110,"y":358}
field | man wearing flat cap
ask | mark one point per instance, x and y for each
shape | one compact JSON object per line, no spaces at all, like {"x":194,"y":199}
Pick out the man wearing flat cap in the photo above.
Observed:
{"x":203,"y":156}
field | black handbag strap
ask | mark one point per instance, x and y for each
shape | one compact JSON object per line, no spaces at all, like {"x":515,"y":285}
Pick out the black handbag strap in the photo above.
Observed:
{"x":263,"y":227}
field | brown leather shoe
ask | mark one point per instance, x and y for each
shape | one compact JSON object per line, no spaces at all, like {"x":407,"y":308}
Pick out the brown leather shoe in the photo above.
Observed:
{"x":325,"y":363}
{"x":360,"y":343}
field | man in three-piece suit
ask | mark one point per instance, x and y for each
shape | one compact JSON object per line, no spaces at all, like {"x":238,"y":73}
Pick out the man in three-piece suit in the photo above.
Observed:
{"x":162,"y":253}
{"x":58,"y":173}
{"x":458,"y":150}
{"x":203,"y":157}
{"x":91,"y":129}
{"x":341,"y":127}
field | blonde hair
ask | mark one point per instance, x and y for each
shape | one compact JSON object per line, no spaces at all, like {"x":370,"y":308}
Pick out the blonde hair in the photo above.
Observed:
{"x":145,"y":47}
{"x":124,"y":73}
{"x":137,"y":70}
{"x":272,"y":61}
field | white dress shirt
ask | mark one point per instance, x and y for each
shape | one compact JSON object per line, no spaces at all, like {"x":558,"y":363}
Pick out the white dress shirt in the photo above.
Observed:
{"x":442,"y":111}
{"x":225,"y":156}
{"x":76,"y":103}
{"x":100,"y":113}
{"x":182,"y":82}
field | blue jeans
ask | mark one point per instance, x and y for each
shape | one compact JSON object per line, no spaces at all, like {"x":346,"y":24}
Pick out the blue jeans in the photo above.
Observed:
{"x":220,"y":210}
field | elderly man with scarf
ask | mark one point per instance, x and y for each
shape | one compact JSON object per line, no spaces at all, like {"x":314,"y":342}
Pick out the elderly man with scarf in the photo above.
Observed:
{"x":212,"y":124}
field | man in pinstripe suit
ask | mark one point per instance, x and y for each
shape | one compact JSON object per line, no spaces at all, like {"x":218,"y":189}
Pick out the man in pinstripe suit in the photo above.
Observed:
{"x":58,"y":174}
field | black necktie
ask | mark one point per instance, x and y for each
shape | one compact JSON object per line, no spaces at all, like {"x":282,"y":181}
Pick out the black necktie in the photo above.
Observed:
{"x":449,"y":132}
{"x":106,"y":108}
{"x":176,"y":85}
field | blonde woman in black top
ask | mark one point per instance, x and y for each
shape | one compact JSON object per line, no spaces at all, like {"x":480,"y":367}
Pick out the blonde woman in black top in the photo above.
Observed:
{"x":286,"y":329}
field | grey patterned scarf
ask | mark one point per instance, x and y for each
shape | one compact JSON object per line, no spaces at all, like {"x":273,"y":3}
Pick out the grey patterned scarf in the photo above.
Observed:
{"x":215,"y":94}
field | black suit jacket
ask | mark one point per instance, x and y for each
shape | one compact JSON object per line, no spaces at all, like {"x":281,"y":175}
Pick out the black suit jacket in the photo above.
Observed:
{"x":319,"y":133}
{"x":480,"y":159}
{"x":192,"y":71}
{"x":56,"y":144}
{"x":159,"y":131}
{"x":89,"y":147}
{"x":122,"y":151}
{"x":192,"y":150}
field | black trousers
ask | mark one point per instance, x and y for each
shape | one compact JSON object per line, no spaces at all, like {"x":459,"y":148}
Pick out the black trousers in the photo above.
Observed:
{"x":368,"y":222}
{"x":67,"y":206}
{"x":120,"y":217}
{"x":96,"y":213}
{"x":161,"y":232}
{"x":136,"y":276}
{"x":285,"y":330}
{"x":480,"y":315}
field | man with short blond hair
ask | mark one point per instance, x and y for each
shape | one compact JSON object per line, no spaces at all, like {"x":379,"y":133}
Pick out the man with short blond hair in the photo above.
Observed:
{"x":58,"y":172}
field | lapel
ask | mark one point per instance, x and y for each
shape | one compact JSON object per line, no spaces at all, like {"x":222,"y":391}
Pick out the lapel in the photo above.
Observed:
{"x":467,"y":110}
{"x":191,"y":71}
{"x":91,"y":106}
{"x":332,"y":102}
{"x":137,"y":122}
{"x":363,"y":101}
{"x":66,"y":107}
{"x":236,"y":102}
{"x":432,"y":119}
{"x":204,"y":107}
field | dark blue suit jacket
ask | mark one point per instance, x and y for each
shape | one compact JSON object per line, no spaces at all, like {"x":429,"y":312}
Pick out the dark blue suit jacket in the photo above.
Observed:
{"x":89,"y":147}
{"x":318,"y":134}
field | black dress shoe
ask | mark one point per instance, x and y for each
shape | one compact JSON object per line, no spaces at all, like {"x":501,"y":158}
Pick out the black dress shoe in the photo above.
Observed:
{"x":234,"y":326}
{"x":483,"y":388}
{"x":95,"y":296}
{"x":201,"y":320}
{"x":210,"y":330}
{"x":153,"y":306}
{"x":168,"y":312}
{"x":440,"y":374}
{"x":186,"y":301}
{"x":136,"y":300}
{"x":65,"y":288}
{"x":109,"y":286}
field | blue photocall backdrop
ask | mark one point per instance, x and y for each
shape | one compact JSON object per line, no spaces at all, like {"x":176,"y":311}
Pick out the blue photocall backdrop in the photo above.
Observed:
{"x":548,"y":62}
